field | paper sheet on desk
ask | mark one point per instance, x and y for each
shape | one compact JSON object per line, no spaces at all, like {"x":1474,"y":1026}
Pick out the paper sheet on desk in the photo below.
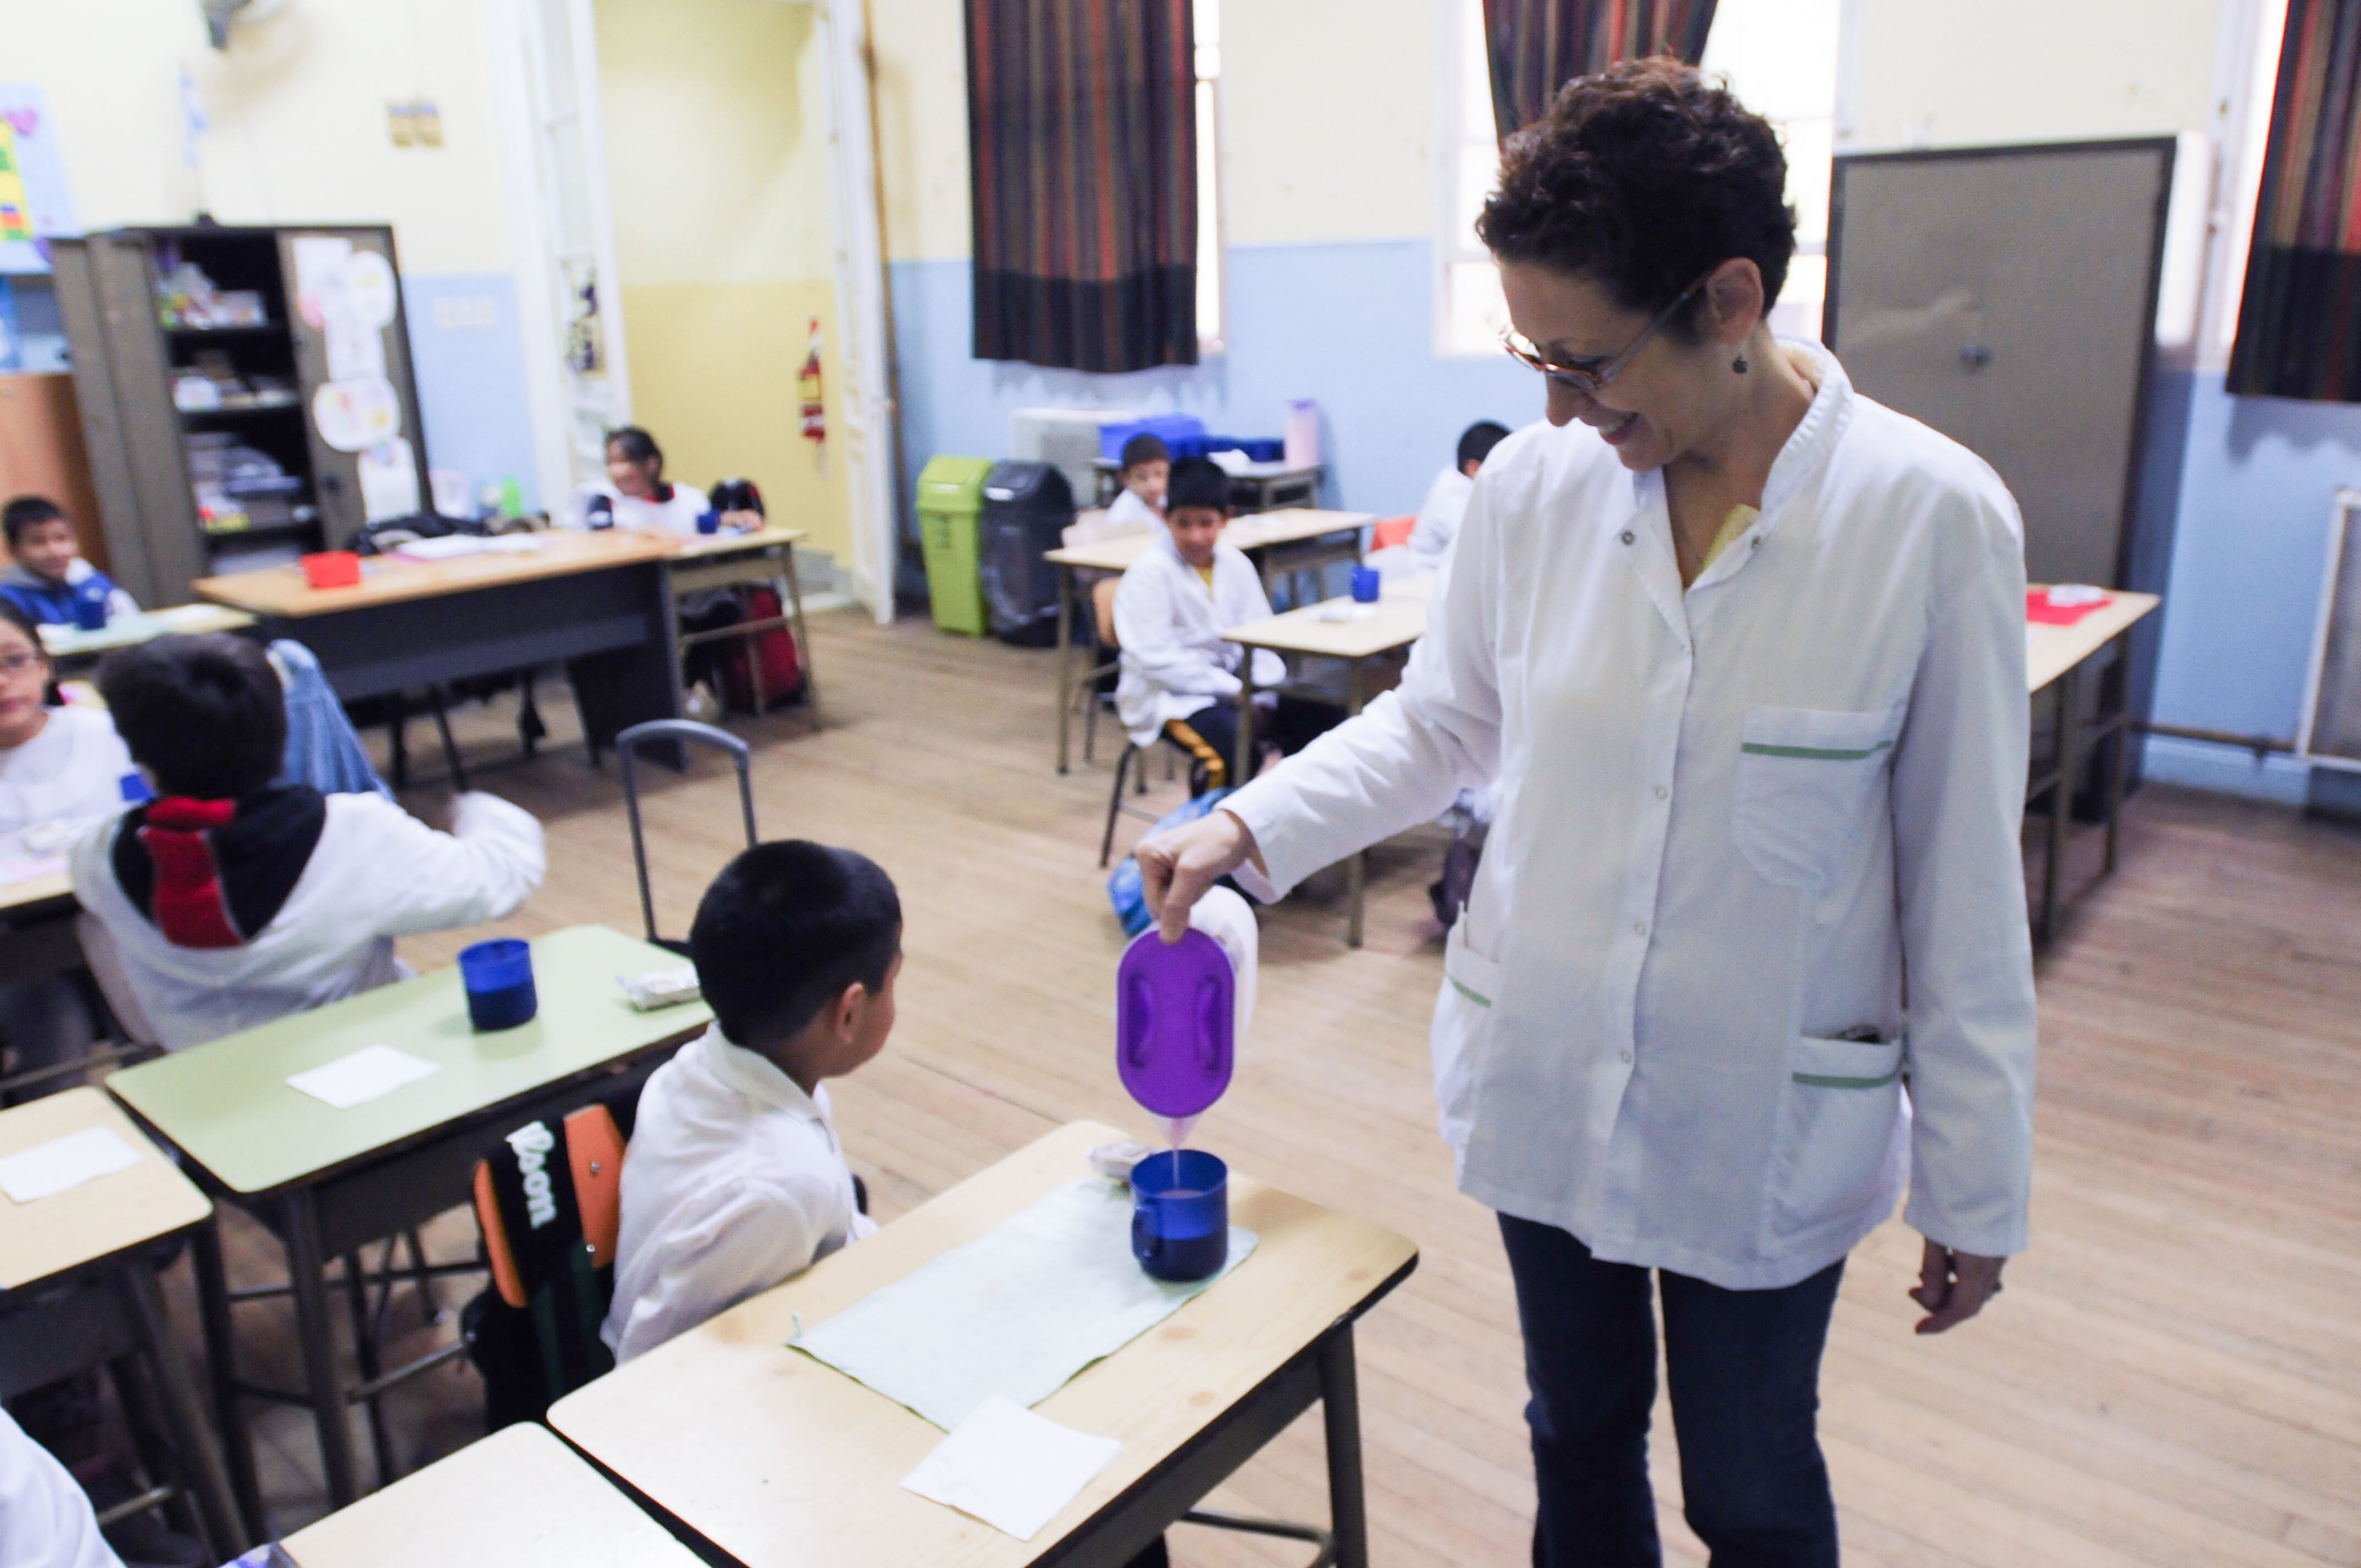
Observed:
{"x":47,"y":1170}
{"x":356,"y":1079}
{"x":1011,"y":1468}
{"x":1015,"y":1313}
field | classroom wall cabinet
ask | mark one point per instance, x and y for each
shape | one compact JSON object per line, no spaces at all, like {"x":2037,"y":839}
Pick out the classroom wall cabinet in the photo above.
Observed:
{"x":271,"y":412}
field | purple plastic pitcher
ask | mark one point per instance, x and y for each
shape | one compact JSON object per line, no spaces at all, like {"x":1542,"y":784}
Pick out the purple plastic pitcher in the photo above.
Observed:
{"x":1174,"y":1016}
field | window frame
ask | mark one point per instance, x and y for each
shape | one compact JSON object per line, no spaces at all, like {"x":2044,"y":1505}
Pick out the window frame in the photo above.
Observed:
{"x":1212,"y":260}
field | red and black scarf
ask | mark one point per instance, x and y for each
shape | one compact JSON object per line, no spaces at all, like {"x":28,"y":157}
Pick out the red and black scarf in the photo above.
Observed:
{"x":213,"y":873}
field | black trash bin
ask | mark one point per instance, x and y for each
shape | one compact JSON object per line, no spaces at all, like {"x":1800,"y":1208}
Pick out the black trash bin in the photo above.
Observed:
{"x":1027,"y":509}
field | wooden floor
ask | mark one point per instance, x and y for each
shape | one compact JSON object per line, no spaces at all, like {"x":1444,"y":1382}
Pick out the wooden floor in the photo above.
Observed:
{"x":2174,"y":1376}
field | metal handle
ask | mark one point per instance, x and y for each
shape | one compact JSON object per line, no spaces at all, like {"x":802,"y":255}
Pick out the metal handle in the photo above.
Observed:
{"x":627,"y":746}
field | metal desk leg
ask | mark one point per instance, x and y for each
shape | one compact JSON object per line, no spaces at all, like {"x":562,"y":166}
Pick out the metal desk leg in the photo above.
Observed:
{"x":365,"y":1353}
{"x":200,"y":1464}
{"x":305,"y":1267}
{"x":1340,"y":1408}
{"x":229,"y":1413}
{"x":803,"y":633}
{"x":2061,"y":796}
{"x":1356,"y":870}
{"x":1065,"y":660}
{"x":2113,"y":703}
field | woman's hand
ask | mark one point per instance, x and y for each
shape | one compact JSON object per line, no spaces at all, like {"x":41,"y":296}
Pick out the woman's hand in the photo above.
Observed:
{"x":1953,"y":1286}
{"x":1176,"y":868}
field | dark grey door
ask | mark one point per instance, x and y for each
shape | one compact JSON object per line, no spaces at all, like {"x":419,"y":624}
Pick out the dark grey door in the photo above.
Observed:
{"x":2007,"y":296}
{"x":337,"y":472}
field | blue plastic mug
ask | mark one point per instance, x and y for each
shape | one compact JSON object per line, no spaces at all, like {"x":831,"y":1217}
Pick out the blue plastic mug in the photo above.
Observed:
{"x":1181,"y":1214}
{"x":90,"y":611}
{"x":498,"y":976}
{"x":1366,"y":583}
{"x":709,"y":522}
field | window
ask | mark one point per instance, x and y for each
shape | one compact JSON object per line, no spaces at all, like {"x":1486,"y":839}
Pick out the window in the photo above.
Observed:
{"x":1781,"y":59}
{"x":1207,"y":15}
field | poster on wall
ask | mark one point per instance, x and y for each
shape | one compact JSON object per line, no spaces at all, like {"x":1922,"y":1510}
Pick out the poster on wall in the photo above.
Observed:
{"x":34,"y":203}
{"x":355,"y":415}
{"x":389,"y":480}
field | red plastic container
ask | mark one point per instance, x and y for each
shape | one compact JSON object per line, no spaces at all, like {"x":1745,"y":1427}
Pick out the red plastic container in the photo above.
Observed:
{"x":333,"y":569}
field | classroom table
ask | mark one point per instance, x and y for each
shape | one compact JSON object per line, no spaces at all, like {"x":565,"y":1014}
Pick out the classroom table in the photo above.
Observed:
{"x":1254,"y":487}
{"x":78,"y":1285}
{"x":765,"y":558}
{"x":70,"y":646}
{"x":781,"y":1460}
{"x":600,"y":601}
{"x":1396,"y":621}
{"x":1280,"y":544}
{"x":326,"y":1181}
{"x":2062,"y":657}
{"x":519,"y":1498}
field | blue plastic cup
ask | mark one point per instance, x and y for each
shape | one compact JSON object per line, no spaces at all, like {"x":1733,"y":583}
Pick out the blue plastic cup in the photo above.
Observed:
{"x":1366,"y":583}
{"x":497,"y":975}
{"x":709,"y":522}
{"x":1181,"y":1214}
{"x":90,"y":612}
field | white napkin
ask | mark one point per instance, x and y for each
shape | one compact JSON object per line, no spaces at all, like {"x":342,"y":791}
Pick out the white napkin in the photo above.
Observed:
{"x":355,"y":1079}
{"x":1011,"y":1468}
{"x":47,"y":1170}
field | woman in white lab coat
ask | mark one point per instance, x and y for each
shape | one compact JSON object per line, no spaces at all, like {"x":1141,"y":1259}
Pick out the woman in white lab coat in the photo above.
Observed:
{"x":1744,"y":652}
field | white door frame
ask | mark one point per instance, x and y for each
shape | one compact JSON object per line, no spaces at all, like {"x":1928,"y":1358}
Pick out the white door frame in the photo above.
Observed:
{"x":866,"y":405}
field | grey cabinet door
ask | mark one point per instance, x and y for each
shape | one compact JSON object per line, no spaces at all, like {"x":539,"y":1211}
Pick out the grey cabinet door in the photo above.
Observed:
{"x":336,"y":473}
{"x":2007,"y":296}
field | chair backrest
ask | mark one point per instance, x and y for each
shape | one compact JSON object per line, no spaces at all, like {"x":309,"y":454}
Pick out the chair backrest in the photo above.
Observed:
{"x":1388,"y":531}
{"x":1103,"y":609}
{"x":549,"y":1202}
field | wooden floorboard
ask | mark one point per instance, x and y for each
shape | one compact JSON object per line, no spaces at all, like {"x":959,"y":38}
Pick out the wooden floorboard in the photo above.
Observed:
{"x":2172,"y":1377}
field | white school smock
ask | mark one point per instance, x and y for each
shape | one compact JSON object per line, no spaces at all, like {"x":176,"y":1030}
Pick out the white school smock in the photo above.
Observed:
{"x":1728,"y":818}
{"x":1170,"y":628}
{"x":72,"y":772}
{"x":1439,"y":517}
{"x":45,"y":1518}
{"x":735,"y":1181}
{"x":376,"y":874}
{"x":1128,"y":514}
{"x":677,"y":515}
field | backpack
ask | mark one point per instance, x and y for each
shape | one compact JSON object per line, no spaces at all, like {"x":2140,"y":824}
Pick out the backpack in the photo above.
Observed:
{"x":548,"y":1200}
{"x":1123,"y":888}
{"x":783,"y":670}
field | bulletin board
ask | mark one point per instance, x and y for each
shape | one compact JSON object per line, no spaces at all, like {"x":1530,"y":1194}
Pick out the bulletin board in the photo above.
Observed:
{"x":34,"y":202}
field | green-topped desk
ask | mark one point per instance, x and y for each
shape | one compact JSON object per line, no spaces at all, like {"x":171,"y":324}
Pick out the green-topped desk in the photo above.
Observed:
{"x":326,"y":1181}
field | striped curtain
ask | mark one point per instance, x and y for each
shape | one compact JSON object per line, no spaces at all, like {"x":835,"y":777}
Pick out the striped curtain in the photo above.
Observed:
{"x":2300,"y":322}
{"x":1539,"y":45}
{"x":1082,"y":164}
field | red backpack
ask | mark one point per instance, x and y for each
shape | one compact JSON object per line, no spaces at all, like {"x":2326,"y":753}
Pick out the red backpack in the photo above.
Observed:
{"x":782,"y":669}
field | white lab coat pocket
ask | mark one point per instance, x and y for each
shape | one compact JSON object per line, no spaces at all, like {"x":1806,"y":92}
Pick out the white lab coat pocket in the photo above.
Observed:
{"x":1462,"y":1030}
{"x":1807,"y":787}
{"x":1836,"y":1135}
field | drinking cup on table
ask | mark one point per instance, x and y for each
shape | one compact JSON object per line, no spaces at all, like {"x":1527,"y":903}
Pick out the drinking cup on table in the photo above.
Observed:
{"x":709,"y":522}
{"x":90,"y":611}
{"x":1365,"y":584}
{"x":1181,"y":1214}
{"x":498,"y":976}
{"x":332,"y":569}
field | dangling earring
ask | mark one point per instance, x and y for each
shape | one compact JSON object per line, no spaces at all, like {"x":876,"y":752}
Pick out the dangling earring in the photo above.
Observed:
{"x":1739,"y":365}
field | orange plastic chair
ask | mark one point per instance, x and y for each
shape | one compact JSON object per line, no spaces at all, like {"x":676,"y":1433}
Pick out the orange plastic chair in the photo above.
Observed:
{"x":1389,"y":531}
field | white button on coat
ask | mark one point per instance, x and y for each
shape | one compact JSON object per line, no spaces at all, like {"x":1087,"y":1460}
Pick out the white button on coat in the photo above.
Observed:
{"x":1848,"y":756}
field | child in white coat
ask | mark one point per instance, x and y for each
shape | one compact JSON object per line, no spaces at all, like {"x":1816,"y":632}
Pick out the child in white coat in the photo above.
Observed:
{"x":233,"y":900}
{"x":1147,"y":474}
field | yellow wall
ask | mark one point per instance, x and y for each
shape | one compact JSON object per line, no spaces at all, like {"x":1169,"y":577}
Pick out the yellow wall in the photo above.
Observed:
{"x":298,"y":106}
{"x":717,"y":161}
{"x":1955,"y":73}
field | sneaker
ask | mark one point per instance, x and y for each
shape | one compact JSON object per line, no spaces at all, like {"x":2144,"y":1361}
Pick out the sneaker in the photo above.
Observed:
{"x":699,"y":703}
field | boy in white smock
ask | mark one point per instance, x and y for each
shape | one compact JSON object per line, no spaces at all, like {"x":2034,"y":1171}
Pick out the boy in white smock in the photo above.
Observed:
{"x":1147,"y":473}
{"x":735,"y":1180}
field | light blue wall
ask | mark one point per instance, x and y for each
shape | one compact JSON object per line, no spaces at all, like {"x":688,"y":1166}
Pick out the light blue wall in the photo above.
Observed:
{"x":1351,"y":325}
{"x":471,"y":382}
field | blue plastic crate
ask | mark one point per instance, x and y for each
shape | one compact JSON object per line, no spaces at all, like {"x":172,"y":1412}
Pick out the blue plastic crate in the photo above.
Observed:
{"x":1170,"y":429}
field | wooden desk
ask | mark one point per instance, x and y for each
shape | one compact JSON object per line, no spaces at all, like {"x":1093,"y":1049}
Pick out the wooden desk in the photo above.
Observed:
{"x":327,"y":1180}
{"x":599,"y":602}
{"x":2062,"y":657}
{"x":519,"y":1498}
{"x":780,"y":1460}
{"x":1395,"y":621}
{"x":765,"y":558}
{"x":70,"y":645}
{"x":78,"y":1285}
{"x":1280,"y":543}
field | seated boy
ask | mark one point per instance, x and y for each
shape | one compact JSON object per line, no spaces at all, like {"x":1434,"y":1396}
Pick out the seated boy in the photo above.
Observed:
{"x":232,"y":900}
{"x":735,"y":1180}
{"x":1147,"y":471}
{"x":1446,"y":499}
{"x":47,"y":574}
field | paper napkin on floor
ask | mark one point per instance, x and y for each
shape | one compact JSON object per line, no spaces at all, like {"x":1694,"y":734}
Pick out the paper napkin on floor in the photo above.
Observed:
{"x":1011,"y":1468}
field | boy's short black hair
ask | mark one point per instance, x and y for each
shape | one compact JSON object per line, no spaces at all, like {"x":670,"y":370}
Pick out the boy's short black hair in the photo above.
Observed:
{"x":23,"y":513}
{"x":1476,"y":443}
{"x":1197,"y":482}
{"x":784,"y":929}
{"x":1144,"y":448}
{"x":205,"y":714}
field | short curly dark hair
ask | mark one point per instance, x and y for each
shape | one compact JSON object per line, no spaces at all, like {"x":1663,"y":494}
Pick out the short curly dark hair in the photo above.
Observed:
{"x":1645,"y":176}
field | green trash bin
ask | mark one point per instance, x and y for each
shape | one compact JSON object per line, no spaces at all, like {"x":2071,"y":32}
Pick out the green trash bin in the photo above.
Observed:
{"x":951,"y":495}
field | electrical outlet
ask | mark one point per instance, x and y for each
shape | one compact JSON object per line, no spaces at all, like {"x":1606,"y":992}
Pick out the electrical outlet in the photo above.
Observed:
{"x":402,"y":124}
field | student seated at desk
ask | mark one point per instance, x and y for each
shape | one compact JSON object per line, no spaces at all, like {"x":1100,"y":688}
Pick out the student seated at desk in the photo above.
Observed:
{"x":1429,"y":547}
{"x":1178,"y":678}
{"x":48,"y":575}
{"x":1147,"y":474}
{"x":735,"y":1180}
{"x":45,"y":1518}
{"x":234,"y":900}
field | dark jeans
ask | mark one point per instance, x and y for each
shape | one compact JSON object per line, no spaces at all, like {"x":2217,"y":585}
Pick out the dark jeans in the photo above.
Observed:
{"x":1744,"y":1369}
{"x":1286,"y":727}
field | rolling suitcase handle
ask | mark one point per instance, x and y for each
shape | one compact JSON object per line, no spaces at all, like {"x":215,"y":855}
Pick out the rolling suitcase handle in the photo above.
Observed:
{"x":627,"y":746}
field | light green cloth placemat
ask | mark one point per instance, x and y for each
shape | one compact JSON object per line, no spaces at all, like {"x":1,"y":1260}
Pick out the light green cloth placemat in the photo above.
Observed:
{"x":1016,"y":1313}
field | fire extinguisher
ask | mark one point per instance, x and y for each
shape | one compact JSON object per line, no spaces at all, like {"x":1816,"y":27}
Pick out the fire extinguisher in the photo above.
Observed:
{"x":814,"y":411}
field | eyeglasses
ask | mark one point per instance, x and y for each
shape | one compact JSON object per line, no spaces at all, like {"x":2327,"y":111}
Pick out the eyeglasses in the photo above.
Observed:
{"x":1591,"y":376}
{"x":17,"y":663}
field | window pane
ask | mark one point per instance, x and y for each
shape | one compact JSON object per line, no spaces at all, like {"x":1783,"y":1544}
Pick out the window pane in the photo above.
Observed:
{"x":1207,"y":16}
{"x":1811,"y":147}
{"x":1477,"y":311}
{"x":1798,"y":313}
{"x":1475,"y":122}
{"x":1208,"y":213}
